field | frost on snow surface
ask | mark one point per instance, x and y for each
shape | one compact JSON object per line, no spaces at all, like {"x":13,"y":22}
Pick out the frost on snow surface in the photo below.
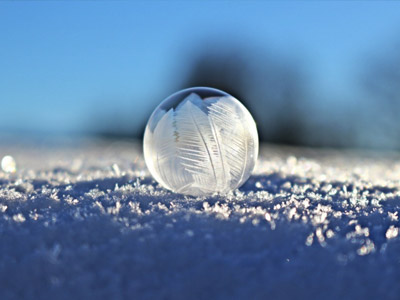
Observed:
{"x":87,"y":222}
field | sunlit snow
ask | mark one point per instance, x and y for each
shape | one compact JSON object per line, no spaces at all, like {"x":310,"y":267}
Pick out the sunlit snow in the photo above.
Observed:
{"x":88,"y":222}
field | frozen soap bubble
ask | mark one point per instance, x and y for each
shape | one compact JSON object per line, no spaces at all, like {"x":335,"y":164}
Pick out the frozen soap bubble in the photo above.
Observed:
{"x":200,"y":141}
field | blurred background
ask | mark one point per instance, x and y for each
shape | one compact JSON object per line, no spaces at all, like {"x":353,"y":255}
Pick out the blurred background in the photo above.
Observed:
{"x":323,"y":74}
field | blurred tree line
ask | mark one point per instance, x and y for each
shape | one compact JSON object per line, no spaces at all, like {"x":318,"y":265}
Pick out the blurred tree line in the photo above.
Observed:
{"x":276,"y":90}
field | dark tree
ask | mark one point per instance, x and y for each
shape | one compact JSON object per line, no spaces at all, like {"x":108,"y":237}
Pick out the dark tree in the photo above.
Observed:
{"x":270,"y":87}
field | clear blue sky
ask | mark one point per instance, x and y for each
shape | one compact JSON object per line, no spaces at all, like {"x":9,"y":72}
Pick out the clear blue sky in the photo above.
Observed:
{"x":62,"y":61}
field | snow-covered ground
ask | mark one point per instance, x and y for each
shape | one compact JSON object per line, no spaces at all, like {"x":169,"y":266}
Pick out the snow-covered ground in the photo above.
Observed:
{"x":86,"y":221}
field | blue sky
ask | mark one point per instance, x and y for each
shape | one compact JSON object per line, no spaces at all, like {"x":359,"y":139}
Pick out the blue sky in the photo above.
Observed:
{"x":61,"y":63}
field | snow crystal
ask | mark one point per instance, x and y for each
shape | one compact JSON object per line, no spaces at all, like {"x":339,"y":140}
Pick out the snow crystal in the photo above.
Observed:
{"x":19,"y":218}
{"x":392,"y":232}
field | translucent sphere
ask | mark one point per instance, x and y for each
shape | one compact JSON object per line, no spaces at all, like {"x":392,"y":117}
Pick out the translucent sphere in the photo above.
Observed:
{"x":200,"y":141}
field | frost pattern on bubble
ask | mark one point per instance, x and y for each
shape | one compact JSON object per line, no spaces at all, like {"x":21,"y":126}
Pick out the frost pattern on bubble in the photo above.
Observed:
{"x":202,"y":145}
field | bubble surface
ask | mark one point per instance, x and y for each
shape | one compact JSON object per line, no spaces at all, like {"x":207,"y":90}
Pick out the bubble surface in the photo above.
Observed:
{"x":200,"y":141}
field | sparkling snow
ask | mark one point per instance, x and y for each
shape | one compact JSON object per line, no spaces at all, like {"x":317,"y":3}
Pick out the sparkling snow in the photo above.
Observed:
{"x":87,"y":222}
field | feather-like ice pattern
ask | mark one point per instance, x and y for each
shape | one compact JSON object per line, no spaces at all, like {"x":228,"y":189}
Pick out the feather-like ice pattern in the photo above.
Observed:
{"x":202,"y":146}
{"x":231,"y":138}
{"x":166,"y":157}
{"x":196,"y":144}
